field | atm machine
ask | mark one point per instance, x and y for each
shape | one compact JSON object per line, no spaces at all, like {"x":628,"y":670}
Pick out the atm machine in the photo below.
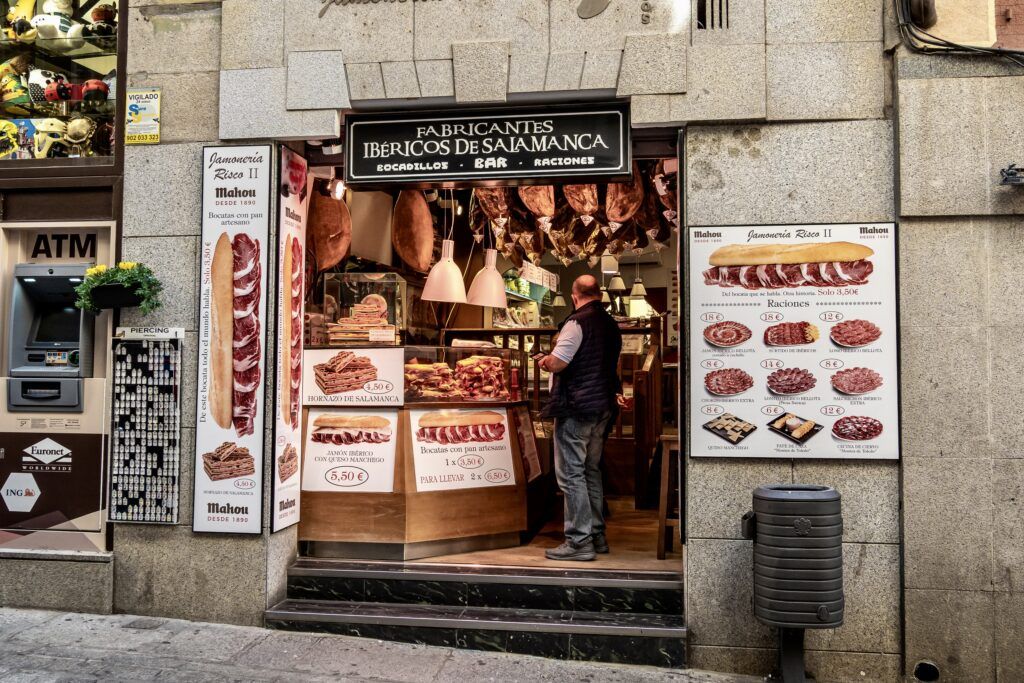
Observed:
{"x":50,"y":342}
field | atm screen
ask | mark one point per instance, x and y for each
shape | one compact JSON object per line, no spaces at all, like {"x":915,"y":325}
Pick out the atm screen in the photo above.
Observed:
{"x":57,"y":326}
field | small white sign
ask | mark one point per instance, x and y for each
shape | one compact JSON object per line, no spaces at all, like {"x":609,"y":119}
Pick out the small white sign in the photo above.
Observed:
{"x":142,"y":116}
{"x":353,"y":377}
{"x":350,"y":450}
{"x":461,"y":449}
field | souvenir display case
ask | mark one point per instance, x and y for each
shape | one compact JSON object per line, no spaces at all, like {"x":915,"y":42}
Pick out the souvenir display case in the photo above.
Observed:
{"x":360,"y":308}
{"x":473,"y":375}
{"x":58,"y":83}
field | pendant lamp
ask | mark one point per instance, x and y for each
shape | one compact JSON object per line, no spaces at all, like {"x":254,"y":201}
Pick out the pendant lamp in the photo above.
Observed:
{"x":488,"y":288}
{"x":638,"y":291}
{"x":444,"y":283}
{"x":559,"y":301}
{"x":609,"y":264}
{"x":605,"y":299}
{"x":617,"y":284}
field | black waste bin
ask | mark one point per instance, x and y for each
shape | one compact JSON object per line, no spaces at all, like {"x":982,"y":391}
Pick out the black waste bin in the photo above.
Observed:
{"x":797,"y":531}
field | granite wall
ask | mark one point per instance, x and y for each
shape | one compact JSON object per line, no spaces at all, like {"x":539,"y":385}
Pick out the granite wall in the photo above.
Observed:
{"x":797,"y":112}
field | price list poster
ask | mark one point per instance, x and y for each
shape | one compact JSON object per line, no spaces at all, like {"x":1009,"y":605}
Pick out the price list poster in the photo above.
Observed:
{"x":794,"y":344}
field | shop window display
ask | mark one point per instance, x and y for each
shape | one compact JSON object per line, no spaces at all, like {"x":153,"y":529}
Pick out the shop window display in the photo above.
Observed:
{"x":58,"y":66}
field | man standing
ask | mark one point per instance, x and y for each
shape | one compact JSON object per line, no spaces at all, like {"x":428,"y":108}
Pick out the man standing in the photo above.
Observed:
{"x":585,"y":362}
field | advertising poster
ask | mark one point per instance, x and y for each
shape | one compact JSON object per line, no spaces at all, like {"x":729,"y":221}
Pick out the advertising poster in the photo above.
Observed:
{"x":228,"y":492}
{"x":142,"y":120}
{"x":461,"y":449}
{"x":293,"y":207}
{"x":354,"y":377}
{"x":350,"y":450}
{"x":794,"y":341}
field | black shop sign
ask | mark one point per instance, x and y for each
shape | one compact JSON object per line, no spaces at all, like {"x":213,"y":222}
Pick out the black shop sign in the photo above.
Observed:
{"x":509,"y":145}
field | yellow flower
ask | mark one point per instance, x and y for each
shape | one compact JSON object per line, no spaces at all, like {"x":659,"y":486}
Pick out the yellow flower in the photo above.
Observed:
{"x":89,"y":272}
{"x":96,"y":270}
{"x":127,"y":265}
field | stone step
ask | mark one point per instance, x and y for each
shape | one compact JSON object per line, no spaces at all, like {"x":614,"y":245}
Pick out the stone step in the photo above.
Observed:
{"x":580,"y":590}
{"x":651,"y":639}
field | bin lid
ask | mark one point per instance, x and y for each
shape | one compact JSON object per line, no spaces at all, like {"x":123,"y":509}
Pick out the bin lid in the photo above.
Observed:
{"x":800,"y":492}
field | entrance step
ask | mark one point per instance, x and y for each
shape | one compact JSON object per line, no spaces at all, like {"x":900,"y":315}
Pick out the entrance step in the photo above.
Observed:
{"x":579,"y":590}
{"x":652,"y":639}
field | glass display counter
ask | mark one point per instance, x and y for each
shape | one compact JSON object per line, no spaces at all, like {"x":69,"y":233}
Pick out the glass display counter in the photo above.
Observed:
{"x":360,"y":308}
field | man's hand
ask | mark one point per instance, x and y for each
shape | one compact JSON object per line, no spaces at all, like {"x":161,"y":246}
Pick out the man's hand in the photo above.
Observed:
{"x":553,"y":363}
{"x":620,"y":400}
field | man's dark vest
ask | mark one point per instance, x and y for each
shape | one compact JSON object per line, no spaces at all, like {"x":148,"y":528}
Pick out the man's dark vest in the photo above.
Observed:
{"x":587,"y":387}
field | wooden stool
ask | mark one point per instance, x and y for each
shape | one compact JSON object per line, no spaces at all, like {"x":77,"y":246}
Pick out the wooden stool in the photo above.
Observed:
{"x":669,"y":444}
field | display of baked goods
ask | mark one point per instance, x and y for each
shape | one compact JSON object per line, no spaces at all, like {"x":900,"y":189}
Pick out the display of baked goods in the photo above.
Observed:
{"x":855,"y":333}
{"x":228,"y":461}
{"x":778,"y":266}
{"x":461,"y":426}
{"x":727,"y":333}
{"x":344,"y":372}
{"x":791,"y":334}
{"x":729,"y":427}
{"x":728,"y":381}
{"x":356,"y":327}
{"x":481,"y":377}
{"x":795,"y":428}
{"x":430,"y":380}
{"x":287,"y":463}
{"x":856,"y":381}
{"x":345,"y":430}
{"x":856,"y":428}
{"x":789,"y":381}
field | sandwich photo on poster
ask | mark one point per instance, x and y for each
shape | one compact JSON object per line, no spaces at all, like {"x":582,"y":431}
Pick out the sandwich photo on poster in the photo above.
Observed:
{"x":350,"y":450}
{"x":794,"y":341}
{"x":461,"y":449}
{"x":354,"y":377}
{"x":293,"y":210}
{"x":232,"y":334}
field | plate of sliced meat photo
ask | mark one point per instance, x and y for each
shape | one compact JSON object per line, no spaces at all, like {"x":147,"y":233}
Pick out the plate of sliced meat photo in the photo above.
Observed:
{"x":856,"y":381}
{"x":727,"y":333}
{"x":856,"y":428}
{"x":855,"y":333}
{"x":727,"y":382}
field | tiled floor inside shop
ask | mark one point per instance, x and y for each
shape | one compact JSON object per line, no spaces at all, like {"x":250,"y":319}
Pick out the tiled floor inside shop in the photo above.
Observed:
{"x":632,"y":536}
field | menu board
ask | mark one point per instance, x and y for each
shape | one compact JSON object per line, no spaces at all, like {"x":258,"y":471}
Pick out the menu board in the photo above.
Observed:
{"x":794,"y":341}
{"x":293,"y":208}
{"x":354,"y":377}
{"x":461,"y":449}
{"x":350,"y":450}
{"x":228,"y":493}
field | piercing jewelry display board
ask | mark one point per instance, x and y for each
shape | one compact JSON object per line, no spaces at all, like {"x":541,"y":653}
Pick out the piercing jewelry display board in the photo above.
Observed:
{"x":145,"y":456}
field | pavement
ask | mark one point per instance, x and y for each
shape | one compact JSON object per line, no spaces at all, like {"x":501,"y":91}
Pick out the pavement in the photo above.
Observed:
{"x":40,"y":646}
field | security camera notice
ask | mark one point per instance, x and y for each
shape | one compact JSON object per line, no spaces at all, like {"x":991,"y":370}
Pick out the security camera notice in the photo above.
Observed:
{"x":350,"y":450}
{"x":461,"y":449}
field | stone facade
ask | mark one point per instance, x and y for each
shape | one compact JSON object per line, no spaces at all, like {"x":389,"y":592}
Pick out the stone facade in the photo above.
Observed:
{"x":798,"y":111}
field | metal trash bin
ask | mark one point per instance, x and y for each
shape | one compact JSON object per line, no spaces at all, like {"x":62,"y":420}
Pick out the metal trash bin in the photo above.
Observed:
{"x":797,"y":531}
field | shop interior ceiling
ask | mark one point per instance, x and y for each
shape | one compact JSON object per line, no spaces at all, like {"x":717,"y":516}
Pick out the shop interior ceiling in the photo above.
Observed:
{"x":541,"y":224}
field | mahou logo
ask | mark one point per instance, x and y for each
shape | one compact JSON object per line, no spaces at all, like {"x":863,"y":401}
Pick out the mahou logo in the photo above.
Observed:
{"x":46,"y":456}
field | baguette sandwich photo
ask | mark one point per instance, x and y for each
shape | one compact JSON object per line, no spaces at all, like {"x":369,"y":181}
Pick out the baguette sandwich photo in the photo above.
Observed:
{"x":345,"y":430}
{"x":778,"y":266}
{"x":235,"y":350}
{"x":456,"y":427}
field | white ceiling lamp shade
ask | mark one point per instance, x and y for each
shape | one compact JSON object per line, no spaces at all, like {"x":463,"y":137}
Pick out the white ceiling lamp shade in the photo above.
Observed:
{"x":609,"y":264}
{"x":638,"y":291}
{"x":617,"y":284}
{"x":444,"y":282}
{"x":605,"y":299}
{"x":559,"y":301}
{"x":488,"y":288}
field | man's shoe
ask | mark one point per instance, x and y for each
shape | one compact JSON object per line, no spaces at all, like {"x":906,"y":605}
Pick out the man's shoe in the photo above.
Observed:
{"x":600,"y":544}
{"x":571,"y":551}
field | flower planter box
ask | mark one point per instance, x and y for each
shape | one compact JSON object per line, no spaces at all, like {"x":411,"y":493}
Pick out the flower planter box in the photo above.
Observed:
{"x":115,"y":296}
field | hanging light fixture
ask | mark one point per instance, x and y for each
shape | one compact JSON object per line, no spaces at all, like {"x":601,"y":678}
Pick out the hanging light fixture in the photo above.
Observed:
{"x":559,"y":301}
{"x":609,"y":264}
{"x":444,"y":282}
{"x":638,"y":291}
{"x":617,"y":284}
{"x":605,"y":299}
{"x":488,"y":288}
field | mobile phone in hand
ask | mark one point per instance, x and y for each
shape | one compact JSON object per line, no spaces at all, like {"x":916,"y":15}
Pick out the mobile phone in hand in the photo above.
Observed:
{"x":538,"y":356}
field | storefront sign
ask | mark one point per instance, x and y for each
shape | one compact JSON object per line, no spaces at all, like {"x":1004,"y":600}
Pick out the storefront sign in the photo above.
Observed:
{"x":461,"y":449}
{"x":350,"y":450}
{"x":293,"y":207}
{"x":50,"y":481}
{"x":142,"y":123}
{"x":794,"y":341}
{"x":354,"y":377}
{"x":517,"y":145}
{"x":228,"y":495}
